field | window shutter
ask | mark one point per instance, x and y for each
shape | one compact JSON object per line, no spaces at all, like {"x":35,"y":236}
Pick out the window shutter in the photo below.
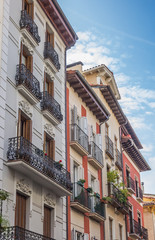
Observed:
{"x":98,"y":140}
{"x":86,"y":236}
{"x":89,"y":179}
{"x":52,"y":149}
{"x":31,"y":10}
{"x":29,"y":130}
{"x":83,"y":124}
{"x":97,"y":189}
{"x":71,"y":169}
{"x":21,"y":53}
{"x":44,"y":146}
{"x":30,"y":63}
{"x":74,"y":115}
{"x":51,"y":88}
{"x":80,"y":172}
{"x":73,"y":234}
{"x":19,"y":123}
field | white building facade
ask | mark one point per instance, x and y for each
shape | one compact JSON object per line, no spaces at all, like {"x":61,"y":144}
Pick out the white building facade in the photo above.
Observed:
{"x":35,"y":36}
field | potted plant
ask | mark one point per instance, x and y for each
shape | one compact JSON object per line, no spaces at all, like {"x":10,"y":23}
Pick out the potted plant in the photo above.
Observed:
{"x":81,"y":182}
{"x":89,"y":189}
{"x":3,"y":222}
{"x":58,"y":164}
{"x":106,"y":200}
{"x":96,"y":195}
{"x":112,"y":176}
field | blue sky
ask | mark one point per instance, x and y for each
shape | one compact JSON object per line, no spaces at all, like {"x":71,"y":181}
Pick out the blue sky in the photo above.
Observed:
{"x":121,"y":34}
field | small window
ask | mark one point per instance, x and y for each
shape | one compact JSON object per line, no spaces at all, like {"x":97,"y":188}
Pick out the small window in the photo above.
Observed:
{"x":48,"y":85}
{"x":111,"y":228}
{"x":49,"y":146}
{"x":139,"y":219}
{"x":120,"y":232}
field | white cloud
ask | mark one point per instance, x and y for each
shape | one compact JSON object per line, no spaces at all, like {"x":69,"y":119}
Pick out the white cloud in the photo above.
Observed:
{"x":147,"y":148}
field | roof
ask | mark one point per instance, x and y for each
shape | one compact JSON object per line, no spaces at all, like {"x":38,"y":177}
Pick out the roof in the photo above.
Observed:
{"x":59,"y":21}
{"x":134,"y":153}
{"x":88,"y":95}
{"x":106,"y":72}
{"x":112,"y":102}
{"x":148,"y":203}
{"x":127,"y":129}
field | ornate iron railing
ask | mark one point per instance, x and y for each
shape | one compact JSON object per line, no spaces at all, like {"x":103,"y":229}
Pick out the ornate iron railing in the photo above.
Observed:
{"x":145,"y":233}
{"x":130,"y":183}
{"x":109,"y":147}
{"x":97,"y":206}
{"x":135,"y":228}
{"x":77,"y":134}
{"x":119,"y":162}
{"x":50,"y":104}
{"x":18,"y":233}
{"x":27,"y":22}
{"x":96,"y":152}
{"x":81,"y":195}
{"x":140,"y":193}
{"x":26,"y":78}
{"x":50,"y":53}
{"x":21,"y":149}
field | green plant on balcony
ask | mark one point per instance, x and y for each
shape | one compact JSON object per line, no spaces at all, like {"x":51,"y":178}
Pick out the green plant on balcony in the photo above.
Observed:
{"x":106,"y":199}
{"x":96,"y":195}
{"x":81,"y":182}
{"x":3,"y":196}
{"x":123,"y":193}
{"x":89,"y":189}
{"x":58,"y":164}
{"x":112,"y":176}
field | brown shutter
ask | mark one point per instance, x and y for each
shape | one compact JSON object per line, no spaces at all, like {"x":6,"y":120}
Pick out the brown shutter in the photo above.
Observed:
{"x":29,"y":64}
{"x":47,"y":222}
{"x":51,"y":88}
{"x":52,"y":149}
{"x":21,"y":53}
{"x":19,"y":123}
{"x":29,"y":130}
{"x":31,"y":10}
{"x":44,"y":141}
{"x":20,"y":213}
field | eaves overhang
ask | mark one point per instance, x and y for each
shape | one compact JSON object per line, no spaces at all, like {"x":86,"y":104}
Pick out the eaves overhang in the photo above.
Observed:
{"x":134,"y":153}
{"x":59,"y":21}
{"x":113,"y":103}
{"x":87,"y":94}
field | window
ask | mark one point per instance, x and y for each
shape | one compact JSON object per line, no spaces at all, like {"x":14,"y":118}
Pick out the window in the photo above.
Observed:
{"x":128,"y":177}
{"x":137,"y":189}
{"x":26,"y":58}
{"x":120,"y":232}
{"x":131,"y":220}
{"x":28,"y":7}
{"x":24,"y":126}
{"x":49,"y":36}
{"x":115,"y":143}
{"x":75,"y":173}
{"x":49,"y":146}
{"x":106,"y":129}
{"x":79,"y":236}
{"x":47,"y":222}
{"x":139,"y":219}
{"x":93,"y":183}
{"x":48,"y":85}
{"x":111,"y":228}
{"x":20,"y":213}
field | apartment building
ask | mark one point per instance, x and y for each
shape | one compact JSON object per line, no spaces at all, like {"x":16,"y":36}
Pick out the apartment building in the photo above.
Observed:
{"x":133,"y":164}
{"x":101,"y":82}
{"x":35,"y":36}
{"x":149,"y":214}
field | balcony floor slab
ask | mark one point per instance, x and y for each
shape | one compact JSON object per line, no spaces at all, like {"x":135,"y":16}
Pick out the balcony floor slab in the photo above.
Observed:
{"x":27,"y":94}
{"x":79,"y":207}
{"x":77,"y":147}
{"x":95,"y":163}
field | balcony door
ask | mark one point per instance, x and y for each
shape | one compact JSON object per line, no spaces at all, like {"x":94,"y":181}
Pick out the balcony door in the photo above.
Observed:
{"x":20,"y":213}
{"x":47,"y":222}
{"x":137,"y":188}
{"x":28,"y":7}
{"x":128,"y":178}
{"x":24,"y":126}
{"x":49,"y":146}
{"x":131,"y":221}
{"x":75,"y":177}
{"x":48,"y":85}
{"x":26,"y":58}
{"x":49,"y":36}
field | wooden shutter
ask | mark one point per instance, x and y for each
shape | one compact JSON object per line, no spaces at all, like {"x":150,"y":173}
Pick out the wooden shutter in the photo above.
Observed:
{"x":47,"y":222}
{"x":44,"y":146}
{"x":29,"y":130}
{"x":20,"y":213}
{"x":51,"y":88}
{"x":110,"y":229}
{"x":31,"y":10}
{"x":52,"y":149}
{"x":19,"y":123}
{"x":29,"y":63}
{"x":21,"y":53}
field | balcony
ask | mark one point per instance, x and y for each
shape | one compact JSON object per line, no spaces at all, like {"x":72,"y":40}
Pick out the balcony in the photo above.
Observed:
{"x":25,"y":157}
{"x":78,"y":139}
{"x":118,"y":162}
{"x":17,"y":233}
{"x":51,"y":109}
{"x":80,"y":199}
{"x":118,"y":200}
{"x":29,"y":29}
{"x":137,"y":231}
{"x":109,"y":147}
{"x":139,"y":194}
{"x":130,"y":185}
{"x":51,"y":57}
{"x":97,"y":209}
{"x":95,"y":156}
{"x":27,"y":84}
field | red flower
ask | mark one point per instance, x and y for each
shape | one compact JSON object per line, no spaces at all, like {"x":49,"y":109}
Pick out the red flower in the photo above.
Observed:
{"x":60,"y":161}
{"x":45,"y":154}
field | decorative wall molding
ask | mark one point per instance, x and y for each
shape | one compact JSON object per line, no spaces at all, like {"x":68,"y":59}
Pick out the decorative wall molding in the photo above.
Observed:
{"x":27,"y":45}
{"x":25,"y":107}
{"x":49,"y":200}
{"x":49,"y":129}
{"x":23,"y":187}
{"x":49,"y":72}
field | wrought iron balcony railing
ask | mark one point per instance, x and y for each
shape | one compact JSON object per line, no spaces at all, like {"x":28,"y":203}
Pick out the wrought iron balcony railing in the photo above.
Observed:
{"x":130,"y":183}
{"x":145,"y":233}
{"x":119,"y":163}
{"x":26,"y":78}
{"x":138,"y":230}
{"x":109,"y":147}
{"x":96,"y":152}
{"x":50,"y":104}
{"x":27,"y":22}
{"x":139,"y":193}
{"x":118,"y":198}
{"x":97,"y":206}
{"x":81,"y":195}
{"x":77,"y":134}
{"x":20,"y":149}
{"x":50,"y":53}
{"x":18,"y":233}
